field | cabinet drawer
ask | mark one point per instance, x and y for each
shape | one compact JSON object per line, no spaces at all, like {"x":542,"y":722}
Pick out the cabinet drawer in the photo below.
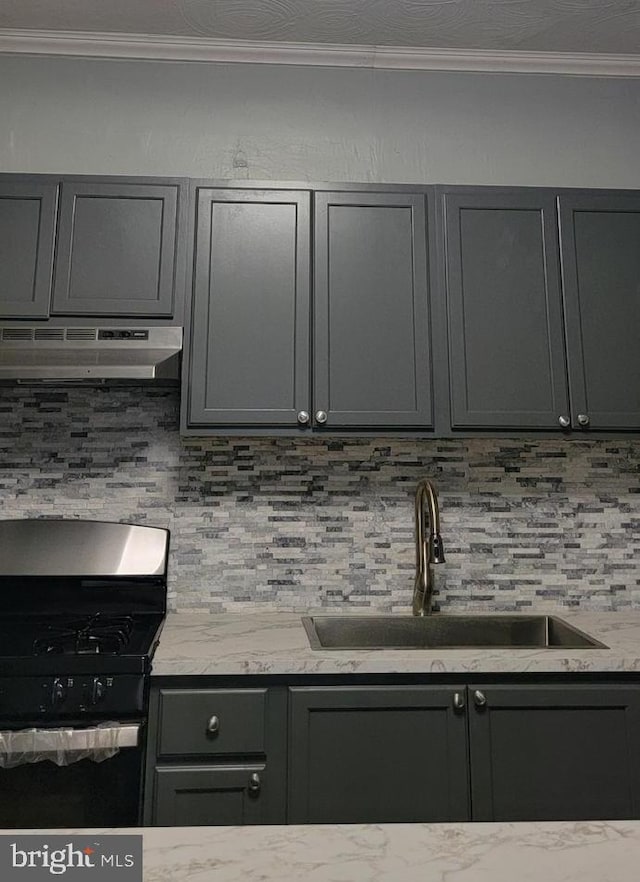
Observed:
{"x":207,"y":795}
{"x":211,"y":721}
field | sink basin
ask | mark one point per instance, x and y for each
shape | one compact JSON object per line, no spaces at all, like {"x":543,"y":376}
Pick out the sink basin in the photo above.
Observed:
{"x":445,"y":632}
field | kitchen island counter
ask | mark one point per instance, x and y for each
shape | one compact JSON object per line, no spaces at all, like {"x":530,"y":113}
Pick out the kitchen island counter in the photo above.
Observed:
{"x":529,"y":852}
{"x":254,"y":643}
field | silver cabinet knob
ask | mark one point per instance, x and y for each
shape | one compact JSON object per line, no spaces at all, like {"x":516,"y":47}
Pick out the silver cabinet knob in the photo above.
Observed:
{"x":303,"y":418}
{"x":564,"y":421}
{"x":583,"y":419}
{"x":321,"y":416}
{"x":458,"y":702}
{"x":479,"y":698}
{"x":254,"y":784}
{"x":213,"y":726}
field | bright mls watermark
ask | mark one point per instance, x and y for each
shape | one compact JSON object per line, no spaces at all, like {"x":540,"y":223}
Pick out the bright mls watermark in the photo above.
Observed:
{"x":116,"y":858}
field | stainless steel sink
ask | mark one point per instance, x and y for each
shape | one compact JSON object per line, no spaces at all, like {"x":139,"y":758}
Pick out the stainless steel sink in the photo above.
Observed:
{"x":445,"y":632}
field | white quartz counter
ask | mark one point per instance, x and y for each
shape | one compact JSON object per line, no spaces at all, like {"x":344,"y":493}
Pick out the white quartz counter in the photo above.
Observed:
{"x":276,"y":643}
{"x":595,"y":851}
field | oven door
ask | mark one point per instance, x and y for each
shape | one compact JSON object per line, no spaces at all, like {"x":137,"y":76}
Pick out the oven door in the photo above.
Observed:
{"x":45,"y":783}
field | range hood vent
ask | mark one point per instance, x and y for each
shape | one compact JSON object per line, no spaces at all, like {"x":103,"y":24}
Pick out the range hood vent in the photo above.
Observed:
{"x":48,"y":334}
{"x":81,"y":334}
{"x":9,"y":334}
{"x":101,"y":355}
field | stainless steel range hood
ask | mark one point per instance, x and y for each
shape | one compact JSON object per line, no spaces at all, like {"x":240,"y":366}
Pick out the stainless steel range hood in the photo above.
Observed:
{"x":118,"y":354}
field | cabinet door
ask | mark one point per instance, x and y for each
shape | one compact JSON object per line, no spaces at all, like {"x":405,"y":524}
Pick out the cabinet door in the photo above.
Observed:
{"x":377,"y":754}
{"x":117,"y":251}
{"x":249,"y":361}
{"x":601,"y":274}
{"x":372,"y":337}
{"x":506,"y":346}
{"x":194,"y":796}
{"x":555,"y":752}
{"x":27,"y":229}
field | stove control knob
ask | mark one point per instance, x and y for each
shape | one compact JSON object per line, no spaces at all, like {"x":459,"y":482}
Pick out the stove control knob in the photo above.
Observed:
{"x":58,"y":692}
{"x":98,"y":690}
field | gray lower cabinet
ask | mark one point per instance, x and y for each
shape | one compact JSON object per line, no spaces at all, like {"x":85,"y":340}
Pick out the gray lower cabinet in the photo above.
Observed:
{"x":120,"y":248}
{"x":554,"y":752}
{"x":27,"y":235}
{"x":262,"y":356}
{"x":377,"y":754}
{"x":506,"y":342}
{"x":600,"y":235}
{"x":394,"y":753}
{"x":216,"y":756}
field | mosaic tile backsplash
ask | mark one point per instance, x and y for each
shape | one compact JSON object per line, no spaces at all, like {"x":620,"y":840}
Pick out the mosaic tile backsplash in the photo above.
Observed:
{"x":299,"y":524}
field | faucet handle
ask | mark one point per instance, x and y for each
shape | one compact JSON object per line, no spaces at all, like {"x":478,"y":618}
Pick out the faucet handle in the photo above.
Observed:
{"x":436,"y":549}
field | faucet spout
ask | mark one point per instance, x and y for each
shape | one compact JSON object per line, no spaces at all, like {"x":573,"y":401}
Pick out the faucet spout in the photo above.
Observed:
{"x":429,"y":546}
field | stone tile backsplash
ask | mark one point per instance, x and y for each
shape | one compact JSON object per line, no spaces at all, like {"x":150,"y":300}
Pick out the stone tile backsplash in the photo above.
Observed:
{"x":297,"y":524}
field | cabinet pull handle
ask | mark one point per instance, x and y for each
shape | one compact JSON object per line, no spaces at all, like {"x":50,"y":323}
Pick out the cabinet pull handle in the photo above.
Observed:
{"x":479,"y":698}
{"x":564,"y":421}
{"x":321,"y":416}
{"x":303,"y":418}
{"x":583,"y":419}
{"x":458,"y":702}
{"x":254,"y":784}
{"x":213,"y":726}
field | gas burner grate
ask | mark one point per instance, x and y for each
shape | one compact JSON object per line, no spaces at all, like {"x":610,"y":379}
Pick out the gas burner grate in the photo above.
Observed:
{"x":94,"y":635}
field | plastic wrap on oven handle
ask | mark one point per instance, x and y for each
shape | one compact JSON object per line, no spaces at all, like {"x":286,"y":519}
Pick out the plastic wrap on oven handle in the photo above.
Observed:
{"x":65,"y":746}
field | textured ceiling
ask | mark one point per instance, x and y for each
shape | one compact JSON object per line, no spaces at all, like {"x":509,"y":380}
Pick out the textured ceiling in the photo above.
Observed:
{"x":602,"y":26}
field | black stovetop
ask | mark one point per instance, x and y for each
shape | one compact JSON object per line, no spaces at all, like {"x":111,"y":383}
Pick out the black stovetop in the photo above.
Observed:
{"x":63,"y":625}
{"x":71,"y":644}
{"x":100,"y":634}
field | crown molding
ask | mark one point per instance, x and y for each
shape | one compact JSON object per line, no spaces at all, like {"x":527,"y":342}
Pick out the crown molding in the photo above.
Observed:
{"x":150,"y":47}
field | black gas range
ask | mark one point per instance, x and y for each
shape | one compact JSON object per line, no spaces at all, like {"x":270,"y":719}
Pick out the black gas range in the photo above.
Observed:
{"x":81,"y":609}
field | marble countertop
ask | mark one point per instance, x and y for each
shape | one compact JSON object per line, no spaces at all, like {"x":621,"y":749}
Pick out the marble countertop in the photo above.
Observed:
{"x":594,"y":851}
{"x":276,"y":643}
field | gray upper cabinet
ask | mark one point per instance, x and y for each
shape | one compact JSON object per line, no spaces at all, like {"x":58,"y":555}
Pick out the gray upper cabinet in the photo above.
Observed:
{"x":249,"y":358}
{"x":372,"y":362}
{"x":506,"y":344}
{"x":27,"y":232}
{"x":600,"y":235}
{"x":253,"y":326}
{"x":118,"y":248}
{"x":360,"y":308}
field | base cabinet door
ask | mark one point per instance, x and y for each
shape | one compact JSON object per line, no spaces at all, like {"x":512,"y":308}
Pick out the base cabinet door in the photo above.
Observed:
{"x":554,"y":752}
{"x":195,"y":796}
{"x":377,"y":754}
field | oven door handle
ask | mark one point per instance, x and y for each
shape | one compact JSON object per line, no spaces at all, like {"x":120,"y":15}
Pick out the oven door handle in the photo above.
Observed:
{"x":113,"y":736}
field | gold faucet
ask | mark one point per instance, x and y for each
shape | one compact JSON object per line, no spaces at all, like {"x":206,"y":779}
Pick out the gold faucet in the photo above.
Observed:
{"x":429,"y":548}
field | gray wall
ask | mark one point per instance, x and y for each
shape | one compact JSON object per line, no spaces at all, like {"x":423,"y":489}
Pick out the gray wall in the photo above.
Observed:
{"x":116,"y":117}
{"x":294,"y":524}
